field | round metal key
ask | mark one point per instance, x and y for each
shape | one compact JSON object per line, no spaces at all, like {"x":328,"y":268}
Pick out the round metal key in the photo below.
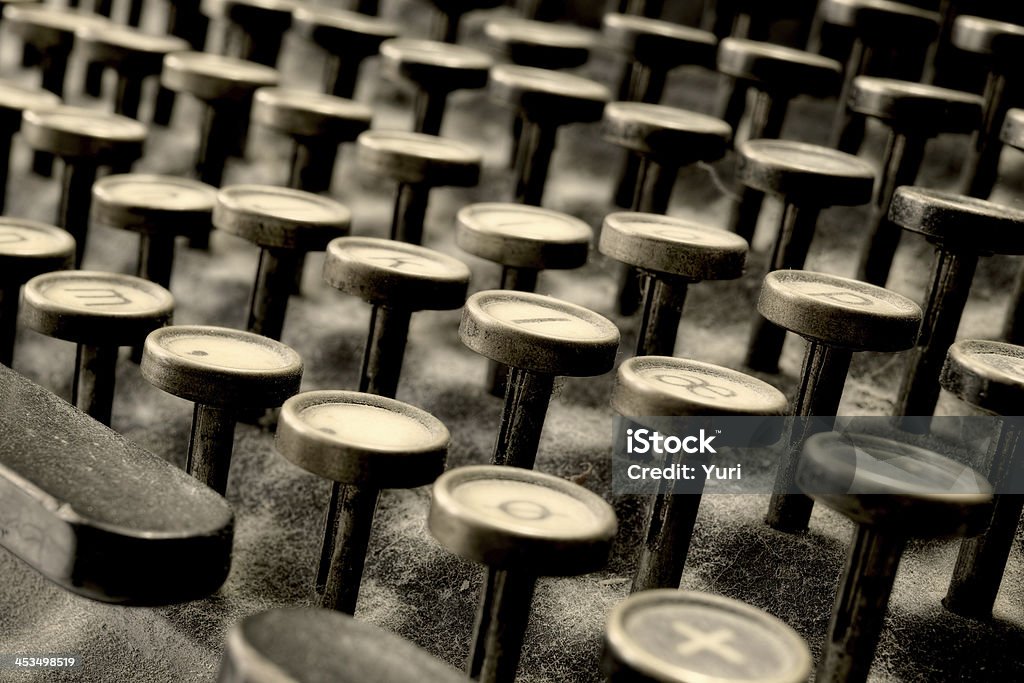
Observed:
{"x":16,"y":99}
{"x":512,"y":518}
{"x":305,"y":645}
{"x":348,"y":37}
{"x":539,"y":43}
{"x":124,"y":47}
{"x":902,"y":488}
{"x":805,"y":173}
{"x":417,"y":159}
{"x":396,"y":274}
{"x":549,"y":96}
{"x":277,"y":217}
{"x":1013,"y":129}
{"x":435,"y":66}
{"x":990,"y":376}
{"x":839,"y":312}
{"x":779,"y":69}
{"x":212,"y":77}
{"x":982,"y":35}
{"x":300,"y":113}
{"x":222,"y":371}
{"x":361,"y":439}
{"x":521,"y":524}
{"x":526,"y":237}
{"x":671,"y":246}
{"x":653,"y":392}
{"x":673,"y":636}
{"x":654,"y":42}
{"x":221,"y":367}
{"x":94,"y":308}
{"x":539,"y":333}
{"x":893,"y":491}
{"x":363,"y":443}
{"x":907,"y":104}
{"x":152,"y":204}
{"x":46,"y":27}
{"x":73,"y":132}
{"x":29,"y":248}
{"x":673,"y":136}
{"x":660,"y":385}
{"x":879,"y":17}
{"x":959,"y":223}
{"x":986,"y":374}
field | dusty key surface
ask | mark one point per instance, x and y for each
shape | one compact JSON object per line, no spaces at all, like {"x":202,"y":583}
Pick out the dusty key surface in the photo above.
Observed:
{"x":514,"y":518}
{"x":29,"y":248}
{"x":673,"y":636}
{"x":521,"y":236}
{"x":418,"y":159}
{"x":304,"y":645}
{"x":280,"y":217}
{"x":96,"y":514}
{"x":152,"y":204}
{"x":986,"y":374}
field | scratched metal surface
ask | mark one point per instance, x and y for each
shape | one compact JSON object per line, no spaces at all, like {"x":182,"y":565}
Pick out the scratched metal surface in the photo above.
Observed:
{"x":411,"y":585}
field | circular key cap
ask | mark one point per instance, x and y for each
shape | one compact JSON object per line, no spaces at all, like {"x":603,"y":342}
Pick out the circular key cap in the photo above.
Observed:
{"x":542,"y":101}
{"x":962,"y":229}
{"x":516,"y":519}
{"x":76,"y":133}
{"x":222,"y":371}
{"x":285,"y":224}
{"x":524,"y":240}
{"x":99,"y":312}
{"x":304,"y":114}
{"x":673,"y":247}
{"x":780,"y":71}
{"x":418,"y":163}
{"x":317,"y":124}
{"x":159,"y":208}
{"x":904,"y":104}
{"x":914,"y":113}
{"x":396,"y":274}
{"x":14,"y":101}
{"x":348,"y":37}
{"x":254,"y":28}
{"x":672,"y":636}
{"x":553,"y":97}
{"x":435,"y":70}
{"x":398,"y":279}
{"x":806,"y":178}
{"x":986,"y":374}
{"x":304,"y":645}
{"x":665,"y":387}
{"x":523,"y":237}
{"x":539,"y":333}
{"x":539,"y":43}
{"x":226,"y":87}
{"x":982,"y":35}
{"x":521,"y":524}
{"x":213,"y":78}
{"x":990,"y":376}
{"x":363,"y":443}
{"x":51,"y":33}
{"x":837,"y":317}
{"x":132,"y":54}
{"x":804,"y":173}
{"x":659,"y":45}
{"x":279,"y":217}
{"x":776,"y":74}
{"x":661,"y":385}
{"x":362,"y":439}
{"x":893,"y":492}
{"x":538,"y":337}
{"x":417,"y":159}
{"x":673,"y":137}
{"x":878,"y":27}
{"x":839,"y":312}
{"x":27,"y":249}
{"x":669,"y":255}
